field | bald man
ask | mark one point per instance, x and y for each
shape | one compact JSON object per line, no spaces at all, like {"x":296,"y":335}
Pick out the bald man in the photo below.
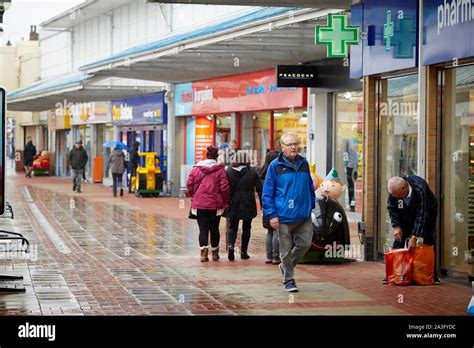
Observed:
{"x":413,"y":208}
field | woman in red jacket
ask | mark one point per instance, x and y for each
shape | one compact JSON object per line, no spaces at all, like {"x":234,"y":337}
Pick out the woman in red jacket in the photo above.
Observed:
{"x":208,"y":186}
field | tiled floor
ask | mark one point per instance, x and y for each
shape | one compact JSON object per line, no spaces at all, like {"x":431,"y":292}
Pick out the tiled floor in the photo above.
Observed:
{"x":139,"y":256}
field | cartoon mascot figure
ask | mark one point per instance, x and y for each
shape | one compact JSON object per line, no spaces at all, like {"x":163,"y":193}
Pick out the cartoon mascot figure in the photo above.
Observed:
{"x":330,"y":224}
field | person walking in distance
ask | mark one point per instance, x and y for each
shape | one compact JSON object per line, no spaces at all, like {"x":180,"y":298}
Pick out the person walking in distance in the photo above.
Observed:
{"x":77,"y":159}
{"x":29,"y":154}
{"x":288,"y":199}
{"x":350,"y":164}
{"x":117,"y":168}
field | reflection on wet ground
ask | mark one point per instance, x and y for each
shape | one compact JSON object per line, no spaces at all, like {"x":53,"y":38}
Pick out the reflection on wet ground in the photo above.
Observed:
{"x":125,"y":261}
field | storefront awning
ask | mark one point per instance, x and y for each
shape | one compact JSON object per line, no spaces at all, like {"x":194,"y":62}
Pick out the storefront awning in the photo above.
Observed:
{"x":256,"y":41}
{"x":72,"y":88}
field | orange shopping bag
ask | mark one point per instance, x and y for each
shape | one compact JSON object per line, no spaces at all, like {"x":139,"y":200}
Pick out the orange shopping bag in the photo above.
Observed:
{"x":398,"y":267}
{"x":423,"y":265}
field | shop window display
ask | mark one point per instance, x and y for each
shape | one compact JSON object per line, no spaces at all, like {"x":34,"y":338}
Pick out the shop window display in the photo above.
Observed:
{"x":458,"y":165}
{"x":295,"y":121}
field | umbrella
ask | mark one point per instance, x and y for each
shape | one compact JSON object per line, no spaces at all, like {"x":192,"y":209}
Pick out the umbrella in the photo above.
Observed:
{"x":115,"y":145}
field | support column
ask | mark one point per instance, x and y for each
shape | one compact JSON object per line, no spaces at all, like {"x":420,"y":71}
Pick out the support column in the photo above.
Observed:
{"x":421,"y":165}
{"x":233,"y":126}
{"x":433,"y":148}
{"x":173,"y":145}
{"x":432,"y":126}
{"x":272,"y":130}
{"x":311,"y":129}
{"x":369,"y":209}
{"x":320,"y":126}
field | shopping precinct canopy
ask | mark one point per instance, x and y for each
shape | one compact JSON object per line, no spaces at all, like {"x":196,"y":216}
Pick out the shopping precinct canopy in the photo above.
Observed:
{"x":72,"y":88}
{"x":254,"y":41}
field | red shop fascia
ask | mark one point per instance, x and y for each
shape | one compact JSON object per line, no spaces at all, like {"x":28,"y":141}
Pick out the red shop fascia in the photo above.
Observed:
{"x":202,"y":102}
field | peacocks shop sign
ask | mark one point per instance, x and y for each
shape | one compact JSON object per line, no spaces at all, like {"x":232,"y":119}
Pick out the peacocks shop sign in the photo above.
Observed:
{"x":296,"y":76}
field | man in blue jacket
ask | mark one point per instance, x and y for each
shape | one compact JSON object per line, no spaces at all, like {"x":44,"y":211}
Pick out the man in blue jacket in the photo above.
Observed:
{"x":413,"y":209}
{"x":288,"y":199}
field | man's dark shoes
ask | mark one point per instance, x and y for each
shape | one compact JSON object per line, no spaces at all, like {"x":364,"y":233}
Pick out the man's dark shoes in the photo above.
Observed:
{"x":291,"y":286}
{"x":244,"y":255}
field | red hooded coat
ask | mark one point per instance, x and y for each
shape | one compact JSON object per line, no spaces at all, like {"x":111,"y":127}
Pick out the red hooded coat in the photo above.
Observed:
{"x":213,"y":192}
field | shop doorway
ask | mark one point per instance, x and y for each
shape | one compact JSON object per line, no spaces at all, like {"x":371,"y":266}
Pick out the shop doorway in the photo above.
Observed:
{"x":64,"y":141}
{"x":348,"y":159}
{"x":397,"y":142}
{"x":457,"y":171}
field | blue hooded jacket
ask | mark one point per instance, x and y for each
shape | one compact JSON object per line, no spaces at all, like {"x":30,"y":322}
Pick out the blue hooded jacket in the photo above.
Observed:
{"x":288,"y":191}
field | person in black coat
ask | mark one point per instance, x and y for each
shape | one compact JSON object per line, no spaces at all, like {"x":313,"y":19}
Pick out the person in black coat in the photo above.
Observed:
{"x":413,"y":210}
{"x":77,"y":160}
{"x":29,"y":154}
{"x":243,"y":181}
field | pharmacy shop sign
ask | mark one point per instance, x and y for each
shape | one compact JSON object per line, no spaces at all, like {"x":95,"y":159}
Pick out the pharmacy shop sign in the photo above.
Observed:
{"x":449,"y":27}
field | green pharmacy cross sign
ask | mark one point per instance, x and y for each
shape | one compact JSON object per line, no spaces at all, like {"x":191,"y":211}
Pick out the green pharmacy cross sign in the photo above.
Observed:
{"x":388,"y":32}
{"x":405,"y":37}
{"x":338,"y":36}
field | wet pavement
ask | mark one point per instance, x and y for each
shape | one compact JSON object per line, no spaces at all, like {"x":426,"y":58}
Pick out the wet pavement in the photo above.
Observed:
{"x":92,"y":254}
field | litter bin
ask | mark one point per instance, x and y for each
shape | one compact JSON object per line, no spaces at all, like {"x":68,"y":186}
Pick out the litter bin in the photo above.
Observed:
{"x":98,"y":169}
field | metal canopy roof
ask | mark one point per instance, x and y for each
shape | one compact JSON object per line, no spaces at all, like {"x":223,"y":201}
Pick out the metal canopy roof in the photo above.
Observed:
{"x":256,"y":41}
{"x":81,"y":13}
{"x":321,"y":4}
{"x":74,"y":88}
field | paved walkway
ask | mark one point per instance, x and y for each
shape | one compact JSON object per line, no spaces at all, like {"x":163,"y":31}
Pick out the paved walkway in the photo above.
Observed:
{"x":93,"y":254}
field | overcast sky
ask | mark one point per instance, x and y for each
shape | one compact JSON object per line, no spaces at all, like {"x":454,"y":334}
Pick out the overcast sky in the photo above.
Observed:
{"x":23,"y":13}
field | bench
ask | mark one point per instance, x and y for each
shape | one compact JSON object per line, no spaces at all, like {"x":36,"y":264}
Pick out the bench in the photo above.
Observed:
{"x":6,"y":237}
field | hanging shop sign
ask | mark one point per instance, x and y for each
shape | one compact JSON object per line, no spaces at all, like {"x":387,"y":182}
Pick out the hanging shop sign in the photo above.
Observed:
{"x":392,"y":37}
{"x":296,"y":76}
{"x":88,"y":113}
{"x":250,"y":92}
{"x":144,"y":110}
{"x":337,"y":35}
{"x":62,"y":118}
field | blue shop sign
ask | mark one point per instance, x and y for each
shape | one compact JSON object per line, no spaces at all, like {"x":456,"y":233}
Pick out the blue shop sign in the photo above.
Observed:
{"x":449,"y":27}
{"x":145,"y":110}
{"x":392,"y":37}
